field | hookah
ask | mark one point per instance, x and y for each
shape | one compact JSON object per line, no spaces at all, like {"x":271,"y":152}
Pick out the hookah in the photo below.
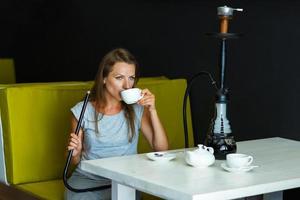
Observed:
{"x":220,"y":135}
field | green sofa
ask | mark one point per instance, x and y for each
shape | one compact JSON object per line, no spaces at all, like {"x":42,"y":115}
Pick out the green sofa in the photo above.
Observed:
{"x":35,"y":124}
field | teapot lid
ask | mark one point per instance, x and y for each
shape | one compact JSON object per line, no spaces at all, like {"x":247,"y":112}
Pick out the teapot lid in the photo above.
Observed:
{"x":202,"y":148}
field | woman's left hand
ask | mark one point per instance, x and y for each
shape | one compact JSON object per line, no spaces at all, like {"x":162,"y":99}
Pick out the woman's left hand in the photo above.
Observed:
{"x":148,"y":100}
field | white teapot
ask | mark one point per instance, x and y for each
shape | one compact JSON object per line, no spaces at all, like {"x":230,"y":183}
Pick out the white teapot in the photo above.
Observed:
{"x":201,"y":157}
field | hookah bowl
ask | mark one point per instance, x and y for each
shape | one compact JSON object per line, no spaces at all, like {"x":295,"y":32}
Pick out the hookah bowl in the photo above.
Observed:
{"x":220,"y":135}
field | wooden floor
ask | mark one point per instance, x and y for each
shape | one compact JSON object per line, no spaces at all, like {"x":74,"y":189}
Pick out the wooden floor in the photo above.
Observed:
{"x":11,"y":193}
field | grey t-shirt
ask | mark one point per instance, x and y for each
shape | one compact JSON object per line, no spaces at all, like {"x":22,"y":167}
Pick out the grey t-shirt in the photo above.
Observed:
{"x":112,"y":139}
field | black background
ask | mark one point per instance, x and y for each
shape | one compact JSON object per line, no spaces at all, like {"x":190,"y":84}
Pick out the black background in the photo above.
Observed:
{"x":64,"y":40}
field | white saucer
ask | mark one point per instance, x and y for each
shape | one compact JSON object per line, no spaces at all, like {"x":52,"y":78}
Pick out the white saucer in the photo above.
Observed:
{"x":242,"y":169}
{"x":161,"y":156}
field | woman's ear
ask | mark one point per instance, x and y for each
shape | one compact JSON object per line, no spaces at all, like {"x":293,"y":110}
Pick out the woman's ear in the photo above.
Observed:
{"x":104,"y":80}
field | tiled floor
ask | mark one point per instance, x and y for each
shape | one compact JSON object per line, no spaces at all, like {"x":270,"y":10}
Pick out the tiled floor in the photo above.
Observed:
{"x":11,"y":193}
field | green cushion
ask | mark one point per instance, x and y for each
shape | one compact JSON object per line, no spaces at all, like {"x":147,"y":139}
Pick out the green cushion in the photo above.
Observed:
{"x":52,"y":190}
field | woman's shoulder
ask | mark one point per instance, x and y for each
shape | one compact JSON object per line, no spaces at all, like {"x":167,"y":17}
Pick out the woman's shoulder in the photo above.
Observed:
{"x":78,"y":107}
{"x":80,"y":104}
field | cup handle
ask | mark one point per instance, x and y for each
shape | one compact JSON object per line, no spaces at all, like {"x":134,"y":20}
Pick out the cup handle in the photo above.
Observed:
{"x":250,"y":160}
{"x":141,"y":95}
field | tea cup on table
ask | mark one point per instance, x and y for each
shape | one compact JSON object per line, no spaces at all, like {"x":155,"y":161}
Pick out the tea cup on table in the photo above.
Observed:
{"x":238,"y":160}
{"x":131,"y":96}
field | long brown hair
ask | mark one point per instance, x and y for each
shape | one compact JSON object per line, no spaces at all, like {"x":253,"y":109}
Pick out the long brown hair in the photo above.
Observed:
{"x":97,"y":91}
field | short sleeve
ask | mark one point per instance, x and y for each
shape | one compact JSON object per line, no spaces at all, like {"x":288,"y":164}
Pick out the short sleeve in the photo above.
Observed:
{"x":76,"y":110}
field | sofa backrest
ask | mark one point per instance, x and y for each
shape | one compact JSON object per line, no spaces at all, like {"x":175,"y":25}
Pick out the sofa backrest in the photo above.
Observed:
{"x":169,"y":101}
{"x":7,"y":69}
{"x":36,"y":124}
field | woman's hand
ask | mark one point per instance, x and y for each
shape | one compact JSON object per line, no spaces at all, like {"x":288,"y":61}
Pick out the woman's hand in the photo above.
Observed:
{"x":148,"y":100}
{"x":75,"y":144}
{"x":151,"y":126}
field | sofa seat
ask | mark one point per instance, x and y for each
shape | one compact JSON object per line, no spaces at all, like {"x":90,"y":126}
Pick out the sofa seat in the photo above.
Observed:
{"x":52,"y":190}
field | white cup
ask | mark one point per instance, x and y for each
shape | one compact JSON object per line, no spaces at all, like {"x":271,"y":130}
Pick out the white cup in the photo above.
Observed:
{"x":132,"y":95}
{"x":238,"y":160}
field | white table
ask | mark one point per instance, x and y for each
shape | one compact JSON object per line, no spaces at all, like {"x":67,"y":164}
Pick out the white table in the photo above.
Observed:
{"x":279,"y":170}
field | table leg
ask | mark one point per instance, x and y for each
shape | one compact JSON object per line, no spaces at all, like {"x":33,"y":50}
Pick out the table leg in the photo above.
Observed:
{"x":274,"y":196}
{"x":119,"y":191}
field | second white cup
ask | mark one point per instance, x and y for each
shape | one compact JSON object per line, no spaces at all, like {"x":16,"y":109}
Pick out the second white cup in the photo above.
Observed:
{"x":238,"y":160}
{"x":132,"y":95}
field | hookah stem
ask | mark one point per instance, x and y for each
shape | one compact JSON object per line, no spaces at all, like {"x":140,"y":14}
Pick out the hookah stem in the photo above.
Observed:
{"x":71,"y":152}
{"x":224,"y":23}
{"x":222,"y":64}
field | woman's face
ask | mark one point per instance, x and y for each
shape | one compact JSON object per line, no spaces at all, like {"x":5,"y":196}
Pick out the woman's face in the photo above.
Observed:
{"x":120,"y":78}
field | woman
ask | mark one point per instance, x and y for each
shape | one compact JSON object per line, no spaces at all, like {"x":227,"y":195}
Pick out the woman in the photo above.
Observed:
{"x":110,"y":127}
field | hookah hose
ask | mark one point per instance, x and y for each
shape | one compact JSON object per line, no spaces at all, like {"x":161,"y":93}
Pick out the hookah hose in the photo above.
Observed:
{"x":86,"y":99}
{"x":187,"y":91}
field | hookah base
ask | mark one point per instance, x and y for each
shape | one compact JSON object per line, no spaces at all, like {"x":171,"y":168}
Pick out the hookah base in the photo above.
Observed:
{"x":222,"y":145}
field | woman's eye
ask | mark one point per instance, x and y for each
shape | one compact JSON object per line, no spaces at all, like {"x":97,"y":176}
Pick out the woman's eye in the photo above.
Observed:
{"x":119,"y":77}
{"x":132,"y":78}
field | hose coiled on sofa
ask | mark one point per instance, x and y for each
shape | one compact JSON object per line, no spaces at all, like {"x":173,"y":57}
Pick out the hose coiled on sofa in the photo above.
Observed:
{"x":187,"y":92}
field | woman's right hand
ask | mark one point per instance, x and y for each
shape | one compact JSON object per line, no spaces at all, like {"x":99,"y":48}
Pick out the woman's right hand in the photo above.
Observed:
{"x":75,"y":144}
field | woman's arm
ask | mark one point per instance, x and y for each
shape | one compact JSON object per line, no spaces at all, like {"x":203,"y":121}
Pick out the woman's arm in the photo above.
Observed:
{"x":75,"y":142}
{"x":152,"y":127}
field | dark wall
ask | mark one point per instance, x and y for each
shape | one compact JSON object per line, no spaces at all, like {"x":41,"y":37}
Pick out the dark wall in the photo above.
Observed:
{"x":64,"y":40}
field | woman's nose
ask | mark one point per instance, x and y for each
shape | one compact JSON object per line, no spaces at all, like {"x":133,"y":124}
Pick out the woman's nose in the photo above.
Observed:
{"x":126,"y":84}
